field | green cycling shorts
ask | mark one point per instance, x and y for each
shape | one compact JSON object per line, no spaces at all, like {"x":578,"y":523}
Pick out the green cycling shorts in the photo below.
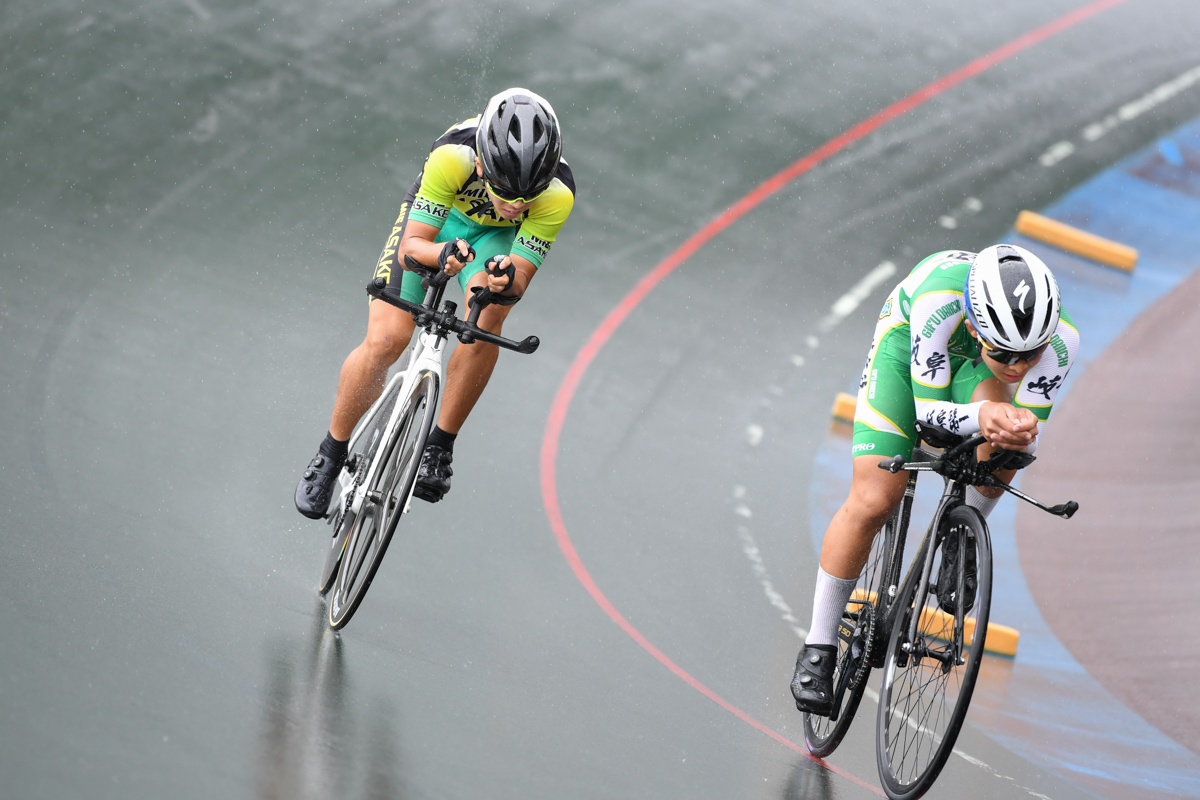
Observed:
{"x":885,"y":414}
{"x":487,"y":241}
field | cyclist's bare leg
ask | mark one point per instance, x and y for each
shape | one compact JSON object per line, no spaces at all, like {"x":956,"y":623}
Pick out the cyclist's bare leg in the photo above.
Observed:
{"x":364,"y":371}
{"x":874,"y":494}
{"x":470,"y":367}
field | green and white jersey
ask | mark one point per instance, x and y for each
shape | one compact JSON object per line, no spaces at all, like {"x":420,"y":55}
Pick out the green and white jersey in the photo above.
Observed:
{"x":923,"y":321}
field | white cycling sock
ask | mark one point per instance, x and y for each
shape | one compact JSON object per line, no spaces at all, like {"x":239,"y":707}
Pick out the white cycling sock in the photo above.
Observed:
{"x":980,"y":502}
{"x":829,"y":601}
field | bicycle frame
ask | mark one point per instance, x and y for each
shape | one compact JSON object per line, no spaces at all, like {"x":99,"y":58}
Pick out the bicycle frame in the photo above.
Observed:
{"x":953,"y":495}
{"x":425,"y":355}
{"x":892,"y":587}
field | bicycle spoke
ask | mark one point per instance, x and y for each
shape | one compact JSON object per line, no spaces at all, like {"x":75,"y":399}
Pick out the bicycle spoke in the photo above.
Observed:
{"x":361,"y":554}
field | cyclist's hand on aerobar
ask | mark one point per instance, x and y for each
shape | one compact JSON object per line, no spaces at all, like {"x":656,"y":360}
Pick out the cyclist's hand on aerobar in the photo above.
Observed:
{"x":455,"y":255}
{"x":501,"y":273}
{"x":1007,"y":426}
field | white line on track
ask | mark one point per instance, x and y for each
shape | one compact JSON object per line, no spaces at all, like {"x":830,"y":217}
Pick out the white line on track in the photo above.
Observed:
{"x":754,"y":434}
{"x":750,"y":548}
{"x":845,"y":305}
{"x":199,"y":10}
{"x":1060,"y":151}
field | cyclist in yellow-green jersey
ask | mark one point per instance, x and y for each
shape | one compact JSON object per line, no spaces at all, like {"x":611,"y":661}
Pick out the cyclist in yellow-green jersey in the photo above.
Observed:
{"x":494,"y":191}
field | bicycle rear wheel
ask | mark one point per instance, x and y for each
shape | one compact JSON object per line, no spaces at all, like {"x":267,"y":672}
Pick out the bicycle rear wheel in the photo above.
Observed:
{"x":388,"y":495}
{"x":855,"y":635}
{"x":364,"y":444}
{"x":928,"y":678}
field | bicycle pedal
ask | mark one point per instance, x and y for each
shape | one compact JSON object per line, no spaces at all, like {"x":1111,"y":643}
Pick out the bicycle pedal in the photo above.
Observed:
{"x":428,"y":495}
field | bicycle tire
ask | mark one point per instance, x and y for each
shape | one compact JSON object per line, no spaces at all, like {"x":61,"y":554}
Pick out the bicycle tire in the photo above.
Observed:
{"x":822,"y":735}
{"x":926,"y":691}
{"x":392,"y":488}
{"x":360,"y":454}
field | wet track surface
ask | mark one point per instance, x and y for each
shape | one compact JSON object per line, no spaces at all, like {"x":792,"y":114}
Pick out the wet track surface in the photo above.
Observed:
{"x":195,"y":194}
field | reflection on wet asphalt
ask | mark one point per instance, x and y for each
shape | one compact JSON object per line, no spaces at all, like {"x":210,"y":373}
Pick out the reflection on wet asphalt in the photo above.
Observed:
{"x":810,"y":781}
{"x":313,"y":744}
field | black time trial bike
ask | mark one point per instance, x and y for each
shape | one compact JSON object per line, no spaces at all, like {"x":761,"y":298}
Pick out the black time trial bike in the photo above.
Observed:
{"x":926,"y":628}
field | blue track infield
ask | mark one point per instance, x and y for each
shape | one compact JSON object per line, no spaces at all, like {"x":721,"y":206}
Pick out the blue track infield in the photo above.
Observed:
{"x":1044,"y":705}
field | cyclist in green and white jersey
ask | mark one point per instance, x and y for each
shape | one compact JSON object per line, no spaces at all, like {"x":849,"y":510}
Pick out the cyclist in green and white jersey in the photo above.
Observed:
{"x":968,"y":343}
{"x":494,"y":192}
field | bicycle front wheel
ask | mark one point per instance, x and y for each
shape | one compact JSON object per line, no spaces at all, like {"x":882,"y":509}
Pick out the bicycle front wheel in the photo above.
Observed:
{"x":930,"y":668}
{"x":856,"y":633}
{"x":389,"y":492}
{"x":364,"y":443}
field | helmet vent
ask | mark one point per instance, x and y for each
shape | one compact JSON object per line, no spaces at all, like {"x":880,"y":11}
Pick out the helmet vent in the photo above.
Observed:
{"x":1024,"y":321}
{"x":1045,"y":331}
{"x":1006,"y":253}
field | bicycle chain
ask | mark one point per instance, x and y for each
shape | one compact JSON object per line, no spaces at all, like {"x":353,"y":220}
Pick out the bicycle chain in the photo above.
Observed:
{"x":867,"y":609}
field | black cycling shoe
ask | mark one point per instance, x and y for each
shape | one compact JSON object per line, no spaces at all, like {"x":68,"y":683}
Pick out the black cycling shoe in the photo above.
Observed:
{"x":315,"y":489}
{"x":812,"y":685}
{"x":433,"y":476}
{"x":947,"y":582}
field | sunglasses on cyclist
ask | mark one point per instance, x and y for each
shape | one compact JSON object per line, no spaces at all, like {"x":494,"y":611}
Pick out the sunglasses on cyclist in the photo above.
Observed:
{"x":509,"y":197}
{"x":1010,"y":357}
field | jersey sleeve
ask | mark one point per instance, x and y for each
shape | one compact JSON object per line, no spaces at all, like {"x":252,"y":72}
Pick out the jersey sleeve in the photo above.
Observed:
{"x":1041,"y":384}
{"x":936,"y":314}
{"x":447,"y":169}
{"x":546,"y":218}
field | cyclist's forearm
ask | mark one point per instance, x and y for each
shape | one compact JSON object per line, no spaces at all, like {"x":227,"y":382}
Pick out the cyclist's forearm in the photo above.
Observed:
{"x":962,"y":419}
{"x":419,"y":242}
{"x":522,"y":276}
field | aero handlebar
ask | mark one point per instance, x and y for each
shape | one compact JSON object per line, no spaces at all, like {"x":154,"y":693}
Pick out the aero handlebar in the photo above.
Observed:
{"x":446,"y":321}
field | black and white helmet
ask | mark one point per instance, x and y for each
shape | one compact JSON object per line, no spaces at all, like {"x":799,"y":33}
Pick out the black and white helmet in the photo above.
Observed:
{"x":1011,"y":298}
{"x":519,"y":144}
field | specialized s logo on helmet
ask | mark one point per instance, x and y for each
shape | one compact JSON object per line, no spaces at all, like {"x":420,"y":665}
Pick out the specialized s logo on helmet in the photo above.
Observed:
{"x":1020,"y":292}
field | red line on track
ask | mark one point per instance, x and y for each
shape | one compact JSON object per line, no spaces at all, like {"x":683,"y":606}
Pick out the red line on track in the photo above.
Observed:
{"x":601,"y":335}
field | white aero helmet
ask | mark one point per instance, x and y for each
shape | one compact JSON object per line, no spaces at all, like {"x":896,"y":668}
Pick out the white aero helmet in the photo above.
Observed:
{"x":1011,"y":298}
